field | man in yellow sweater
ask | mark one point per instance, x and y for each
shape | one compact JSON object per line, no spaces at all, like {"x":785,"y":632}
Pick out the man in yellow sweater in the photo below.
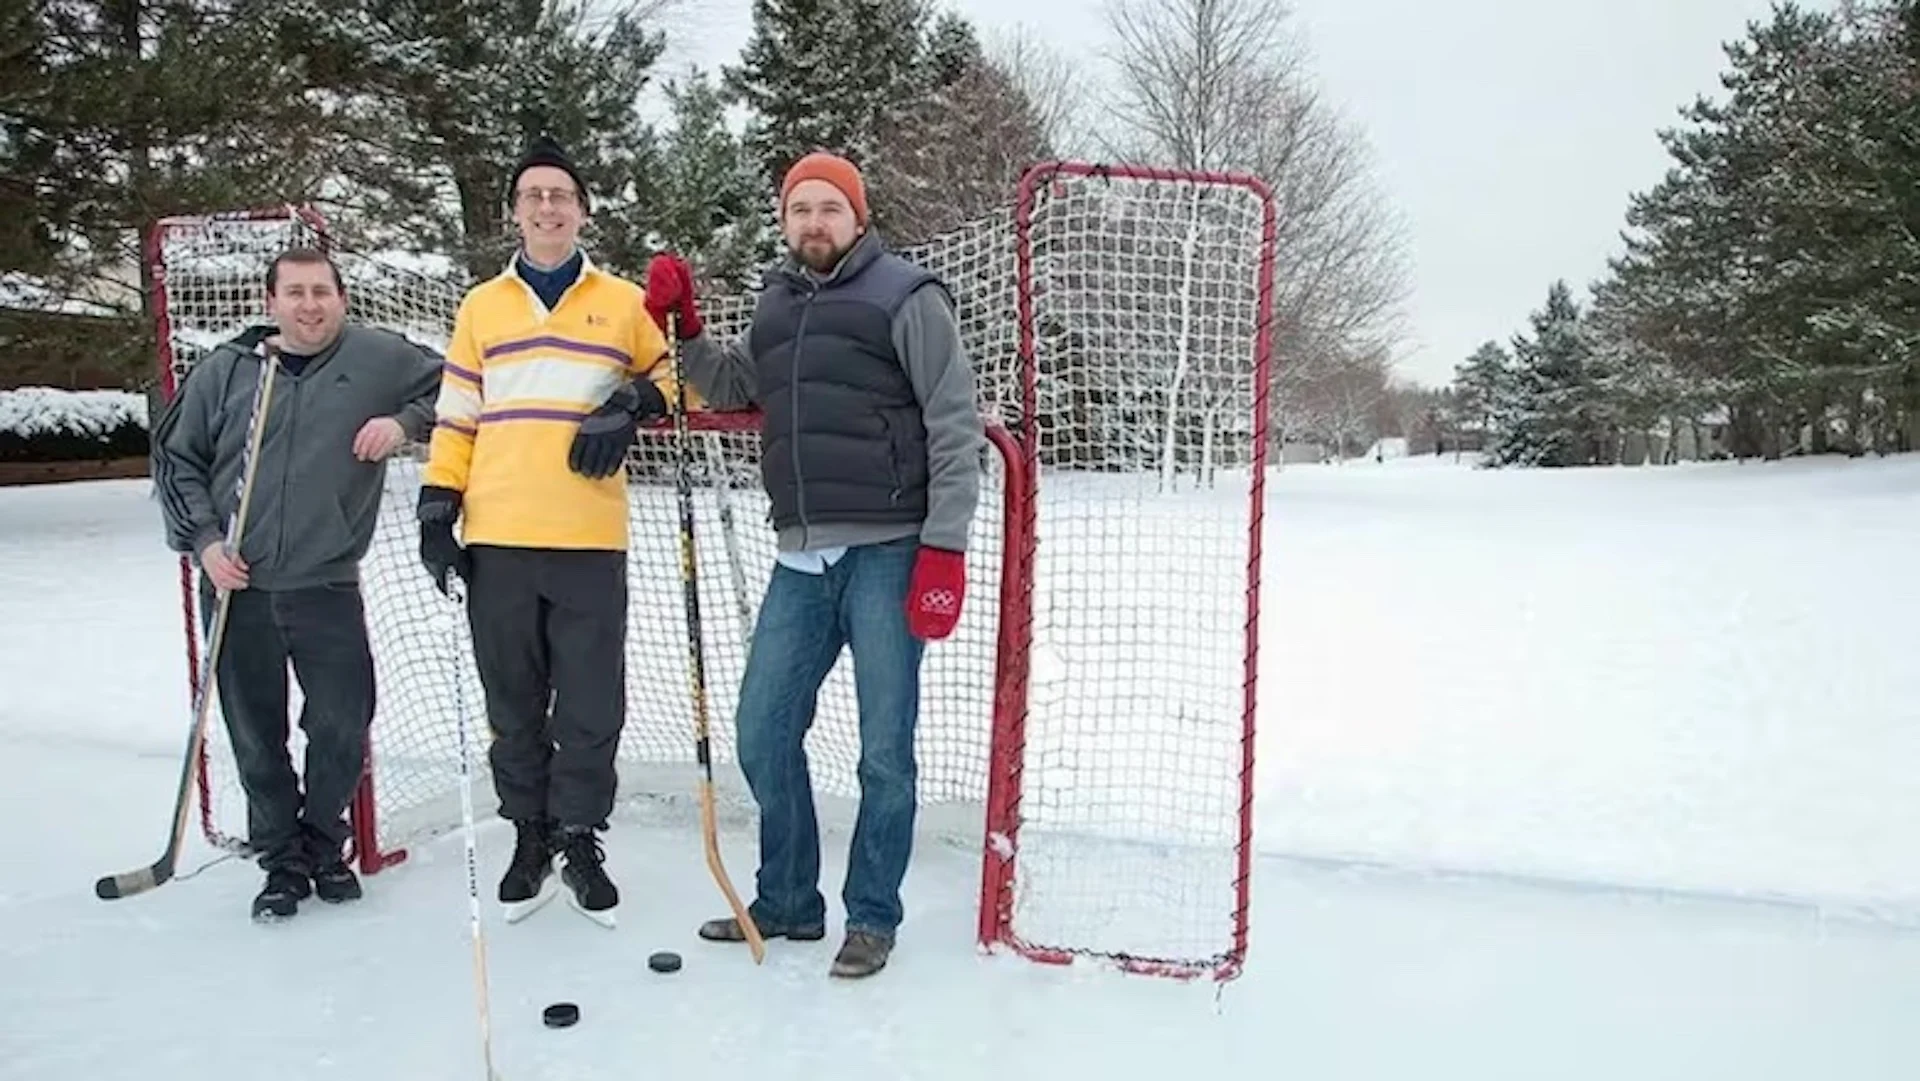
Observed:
{"x":552,"y":366}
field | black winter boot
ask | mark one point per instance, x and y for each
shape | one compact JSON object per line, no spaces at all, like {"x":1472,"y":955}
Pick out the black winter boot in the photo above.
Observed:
{"x":336,"y":883}
{"x":528,"y":883}
{"x":280,"y":898}
{"x":583,"y":870}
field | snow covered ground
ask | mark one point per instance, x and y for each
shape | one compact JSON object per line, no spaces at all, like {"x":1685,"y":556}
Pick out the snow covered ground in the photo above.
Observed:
{"x":1623,"y":699}
{"x":1693,"y":678}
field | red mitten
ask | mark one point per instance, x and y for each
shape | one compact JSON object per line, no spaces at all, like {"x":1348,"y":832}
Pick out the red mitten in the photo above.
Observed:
{"x":670,"y":290}
{"x":938,"y":586}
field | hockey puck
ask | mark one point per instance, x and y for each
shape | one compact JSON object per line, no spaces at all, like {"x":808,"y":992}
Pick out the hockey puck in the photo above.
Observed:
{"x":560,"y":1015}
{"x":664,"y":961}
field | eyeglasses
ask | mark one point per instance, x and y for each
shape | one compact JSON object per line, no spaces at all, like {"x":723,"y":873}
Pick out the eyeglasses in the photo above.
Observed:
{"x":556,"y":196}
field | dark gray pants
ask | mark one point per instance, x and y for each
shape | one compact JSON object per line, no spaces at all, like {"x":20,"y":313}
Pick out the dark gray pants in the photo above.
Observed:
{"x":549,"y":637}
{"x":322,"y":632}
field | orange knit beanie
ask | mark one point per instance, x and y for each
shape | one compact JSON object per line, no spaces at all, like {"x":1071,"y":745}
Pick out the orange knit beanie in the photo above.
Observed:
{"x":833,"y":169}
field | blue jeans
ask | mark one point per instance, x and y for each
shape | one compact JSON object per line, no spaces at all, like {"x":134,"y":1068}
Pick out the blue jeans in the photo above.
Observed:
{"x":805,"y":619}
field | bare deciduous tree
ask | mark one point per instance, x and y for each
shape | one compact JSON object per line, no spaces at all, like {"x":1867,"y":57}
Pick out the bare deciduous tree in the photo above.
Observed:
{"x":1338,"y":404}
{"x":956,"y":155}
{"x":1058,"y":90}
{"x":1225,"y":85}
{"x":1196,"y":81}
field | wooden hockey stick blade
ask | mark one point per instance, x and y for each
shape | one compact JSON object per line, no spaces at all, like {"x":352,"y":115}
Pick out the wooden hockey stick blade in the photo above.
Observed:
{"x":710,"y":832}
{"x":128,"y":883}
{"x":158,"y":873}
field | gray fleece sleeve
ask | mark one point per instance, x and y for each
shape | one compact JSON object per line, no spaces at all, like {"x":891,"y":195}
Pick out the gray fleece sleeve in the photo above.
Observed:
{"x":419,"y":390}
{"x":928,"y":340}
{"x":721,"y":371}
{"x":181,"y":458}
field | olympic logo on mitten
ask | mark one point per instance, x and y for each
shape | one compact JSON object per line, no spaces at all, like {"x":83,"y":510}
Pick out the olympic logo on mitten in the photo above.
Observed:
{"x":941,"y":601}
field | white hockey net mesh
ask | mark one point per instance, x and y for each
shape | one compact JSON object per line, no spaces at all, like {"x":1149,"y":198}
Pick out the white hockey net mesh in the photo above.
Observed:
{"x":1122,"y":790}
{"x":1146,"y":304}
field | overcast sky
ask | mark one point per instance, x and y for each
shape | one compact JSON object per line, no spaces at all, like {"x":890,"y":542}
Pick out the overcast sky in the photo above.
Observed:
{"x":1507,"y":134}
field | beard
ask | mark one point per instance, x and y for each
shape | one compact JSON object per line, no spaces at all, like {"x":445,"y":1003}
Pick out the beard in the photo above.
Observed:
{"x":820,"y":254}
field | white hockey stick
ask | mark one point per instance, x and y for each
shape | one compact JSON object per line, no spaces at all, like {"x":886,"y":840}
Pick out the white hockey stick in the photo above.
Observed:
{"x":456,"y":594}
{"x":723,"y":485}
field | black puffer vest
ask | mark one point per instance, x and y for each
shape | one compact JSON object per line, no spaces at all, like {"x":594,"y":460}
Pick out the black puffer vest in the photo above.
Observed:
{"x":843,"y":439}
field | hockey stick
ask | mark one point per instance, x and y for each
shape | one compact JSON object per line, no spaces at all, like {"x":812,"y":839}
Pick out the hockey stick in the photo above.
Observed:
{"x":717,"y":464}
{"x":456,"y":595}
{"x":696,"y":661}
{"x":158,"y":873}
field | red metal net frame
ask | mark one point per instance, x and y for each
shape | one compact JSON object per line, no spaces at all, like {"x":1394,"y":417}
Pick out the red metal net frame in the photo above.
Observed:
{"x":1003,"y":819}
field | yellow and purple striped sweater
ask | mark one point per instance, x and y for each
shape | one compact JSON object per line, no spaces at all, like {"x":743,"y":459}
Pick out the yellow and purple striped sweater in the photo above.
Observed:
{"x":517,"y":381}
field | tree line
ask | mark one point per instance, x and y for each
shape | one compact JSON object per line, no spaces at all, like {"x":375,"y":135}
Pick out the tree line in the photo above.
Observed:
{"x":399,"y":121}
{"x":1766,"y":302}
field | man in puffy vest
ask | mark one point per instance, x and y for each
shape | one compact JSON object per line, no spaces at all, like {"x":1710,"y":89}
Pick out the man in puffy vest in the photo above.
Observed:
{"x":871,"y":459}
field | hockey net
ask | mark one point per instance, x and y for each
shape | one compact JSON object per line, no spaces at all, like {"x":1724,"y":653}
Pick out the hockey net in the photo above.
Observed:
{"x":1093,"y":713}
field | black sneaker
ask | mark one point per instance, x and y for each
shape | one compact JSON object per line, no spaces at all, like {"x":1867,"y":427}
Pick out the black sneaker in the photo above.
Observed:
{"x":583,"y":870}
{"x":336,"y":883}
{"x":280,"y":898}
{"x":528,"y":883}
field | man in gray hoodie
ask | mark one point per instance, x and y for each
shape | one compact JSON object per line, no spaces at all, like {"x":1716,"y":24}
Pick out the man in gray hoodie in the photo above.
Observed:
{"x":344,"y":399}
{"x":871,"y":456}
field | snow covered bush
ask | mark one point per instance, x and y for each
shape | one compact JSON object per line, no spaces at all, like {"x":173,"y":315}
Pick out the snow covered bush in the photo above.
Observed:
{"x":46,"y":424}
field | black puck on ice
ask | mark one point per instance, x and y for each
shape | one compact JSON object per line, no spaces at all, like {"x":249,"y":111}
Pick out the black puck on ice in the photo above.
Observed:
{"x":664,"y":961}
{"x":560,"y":1015}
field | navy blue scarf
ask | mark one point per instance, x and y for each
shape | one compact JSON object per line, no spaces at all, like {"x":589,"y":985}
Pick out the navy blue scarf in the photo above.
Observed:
{"x":548,"y":285}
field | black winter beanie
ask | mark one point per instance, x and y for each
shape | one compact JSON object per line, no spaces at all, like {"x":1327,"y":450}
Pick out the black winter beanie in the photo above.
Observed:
{"x":544,"y":151}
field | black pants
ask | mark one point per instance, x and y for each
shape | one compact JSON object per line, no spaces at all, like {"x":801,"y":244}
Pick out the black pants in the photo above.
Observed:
{"x":322,"y":631}
{"x":549,"y":637}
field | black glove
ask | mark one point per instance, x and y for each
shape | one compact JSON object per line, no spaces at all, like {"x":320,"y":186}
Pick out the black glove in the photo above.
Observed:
{"x":600,"y":446}
{"x":439,"y":508}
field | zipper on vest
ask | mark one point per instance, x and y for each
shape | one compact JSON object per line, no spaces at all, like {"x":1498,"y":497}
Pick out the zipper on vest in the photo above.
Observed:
{"x":893,"y":461}
{"x":793,"y":437}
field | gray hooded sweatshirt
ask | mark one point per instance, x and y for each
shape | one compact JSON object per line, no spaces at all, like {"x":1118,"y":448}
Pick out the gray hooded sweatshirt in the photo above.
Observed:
{"x":311,"y":515}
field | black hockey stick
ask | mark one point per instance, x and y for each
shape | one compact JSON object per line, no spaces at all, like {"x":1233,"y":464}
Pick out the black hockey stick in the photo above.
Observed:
{"x":158,"y":873}
{"x":696,"y":660}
